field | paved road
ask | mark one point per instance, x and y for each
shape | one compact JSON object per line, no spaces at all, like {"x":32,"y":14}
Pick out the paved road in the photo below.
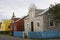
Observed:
{"x":53,"y":39}
{"x":3,"y":37}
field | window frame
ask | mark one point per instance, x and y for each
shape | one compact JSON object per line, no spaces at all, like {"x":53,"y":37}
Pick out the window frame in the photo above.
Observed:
{"x":11,"y":28}
{"x":27,"y":24}
{"x":38,"y":23}
{"x":52,"y":24}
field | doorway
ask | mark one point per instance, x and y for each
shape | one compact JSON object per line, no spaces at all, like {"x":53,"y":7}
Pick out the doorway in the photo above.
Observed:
{"x":32,"y":29}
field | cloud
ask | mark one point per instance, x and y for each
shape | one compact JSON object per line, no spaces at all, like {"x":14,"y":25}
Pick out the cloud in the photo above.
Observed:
{"x":20,"y":7}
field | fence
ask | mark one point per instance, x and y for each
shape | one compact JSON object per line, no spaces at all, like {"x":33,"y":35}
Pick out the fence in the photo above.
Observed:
{"x":47,"y":34}
{"x":18,"y":34}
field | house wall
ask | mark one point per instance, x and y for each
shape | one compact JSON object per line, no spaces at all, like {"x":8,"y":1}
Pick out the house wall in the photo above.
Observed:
{"x":47,"y":19}
{"x":20,"y":25}
{"x":5,"y":25}
{"x":29,"y":19}
{"x":11,"y":27}
{"x":41,"y":24}
{"x":27,"y":25}
{"x":13,"y":24}
{"x":2,"y":27}
{"x":17,"y":26}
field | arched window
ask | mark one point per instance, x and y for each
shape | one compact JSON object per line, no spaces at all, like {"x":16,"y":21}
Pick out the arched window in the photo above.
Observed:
{"x":38,"y":23}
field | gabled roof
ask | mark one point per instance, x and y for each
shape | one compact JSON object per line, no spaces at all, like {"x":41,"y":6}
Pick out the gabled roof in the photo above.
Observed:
{"x":46,"y":10}
{"x":15,"y":19}
{"x":20,"y":18}
{"x":43,"y":11}
{"x":38,"y":11}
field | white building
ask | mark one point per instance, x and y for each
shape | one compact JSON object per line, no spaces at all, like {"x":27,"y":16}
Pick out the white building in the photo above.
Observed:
{"x":39,"y":20}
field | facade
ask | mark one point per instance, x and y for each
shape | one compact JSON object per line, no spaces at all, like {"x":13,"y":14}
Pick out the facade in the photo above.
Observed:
{"x":13,"y":18}
{"x":13,"y":24}
{"x":5,"y":26}
{"x":18,"y":25}
{"x":39,"y":20}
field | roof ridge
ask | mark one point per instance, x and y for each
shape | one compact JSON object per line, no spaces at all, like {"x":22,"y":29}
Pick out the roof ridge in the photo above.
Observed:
{"x":44,"y":11}
{"x":18,"y":20}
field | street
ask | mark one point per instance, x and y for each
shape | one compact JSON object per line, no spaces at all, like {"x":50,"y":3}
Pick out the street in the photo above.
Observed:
{"x":3,"y":37}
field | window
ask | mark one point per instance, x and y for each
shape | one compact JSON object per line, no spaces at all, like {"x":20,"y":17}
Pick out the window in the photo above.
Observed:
{"x":27,"y":24}
{"x":15,"y":28}
{"x":52,"y":23}
{"x":38,"y":24}
{"x":8,"y":26}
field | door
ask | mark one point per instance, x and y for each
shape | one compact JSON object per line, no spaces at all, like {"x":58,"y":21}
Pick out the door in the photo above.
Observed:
{"x":32,"y":29}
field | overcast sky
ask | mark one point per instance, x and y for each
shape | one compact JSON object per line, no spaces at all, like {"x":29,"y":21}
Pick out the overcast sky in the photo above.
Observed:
{"x":20,"y":7}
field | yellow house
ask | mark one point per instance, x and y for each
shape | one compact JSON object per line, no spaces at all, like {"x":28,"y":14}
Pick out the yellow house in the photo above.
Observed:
{"x":5,"y":26}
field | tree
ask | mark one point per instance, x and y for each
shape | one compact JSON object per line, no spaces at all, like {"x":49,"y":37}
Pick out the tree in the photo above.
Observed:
{"x":55,"y":11}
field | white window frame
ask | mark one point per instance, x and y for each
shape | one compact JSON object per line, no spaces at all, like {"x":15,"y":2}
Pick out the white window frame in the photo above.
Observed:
{"x":53,"y":23}
{"x":27,"y":24}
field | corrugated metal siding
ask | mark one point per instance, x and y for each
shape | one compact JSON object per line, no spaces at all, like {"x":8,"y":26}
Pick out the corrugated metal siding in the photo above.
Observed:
{"x":47,"y":34}
{"x":18,"y":34}
{"x":34,"y":35}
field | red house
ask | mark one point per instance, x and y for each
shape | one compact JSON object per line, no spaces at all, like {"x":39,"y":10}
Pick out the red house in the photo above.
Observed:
{"x":17,"y":24}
